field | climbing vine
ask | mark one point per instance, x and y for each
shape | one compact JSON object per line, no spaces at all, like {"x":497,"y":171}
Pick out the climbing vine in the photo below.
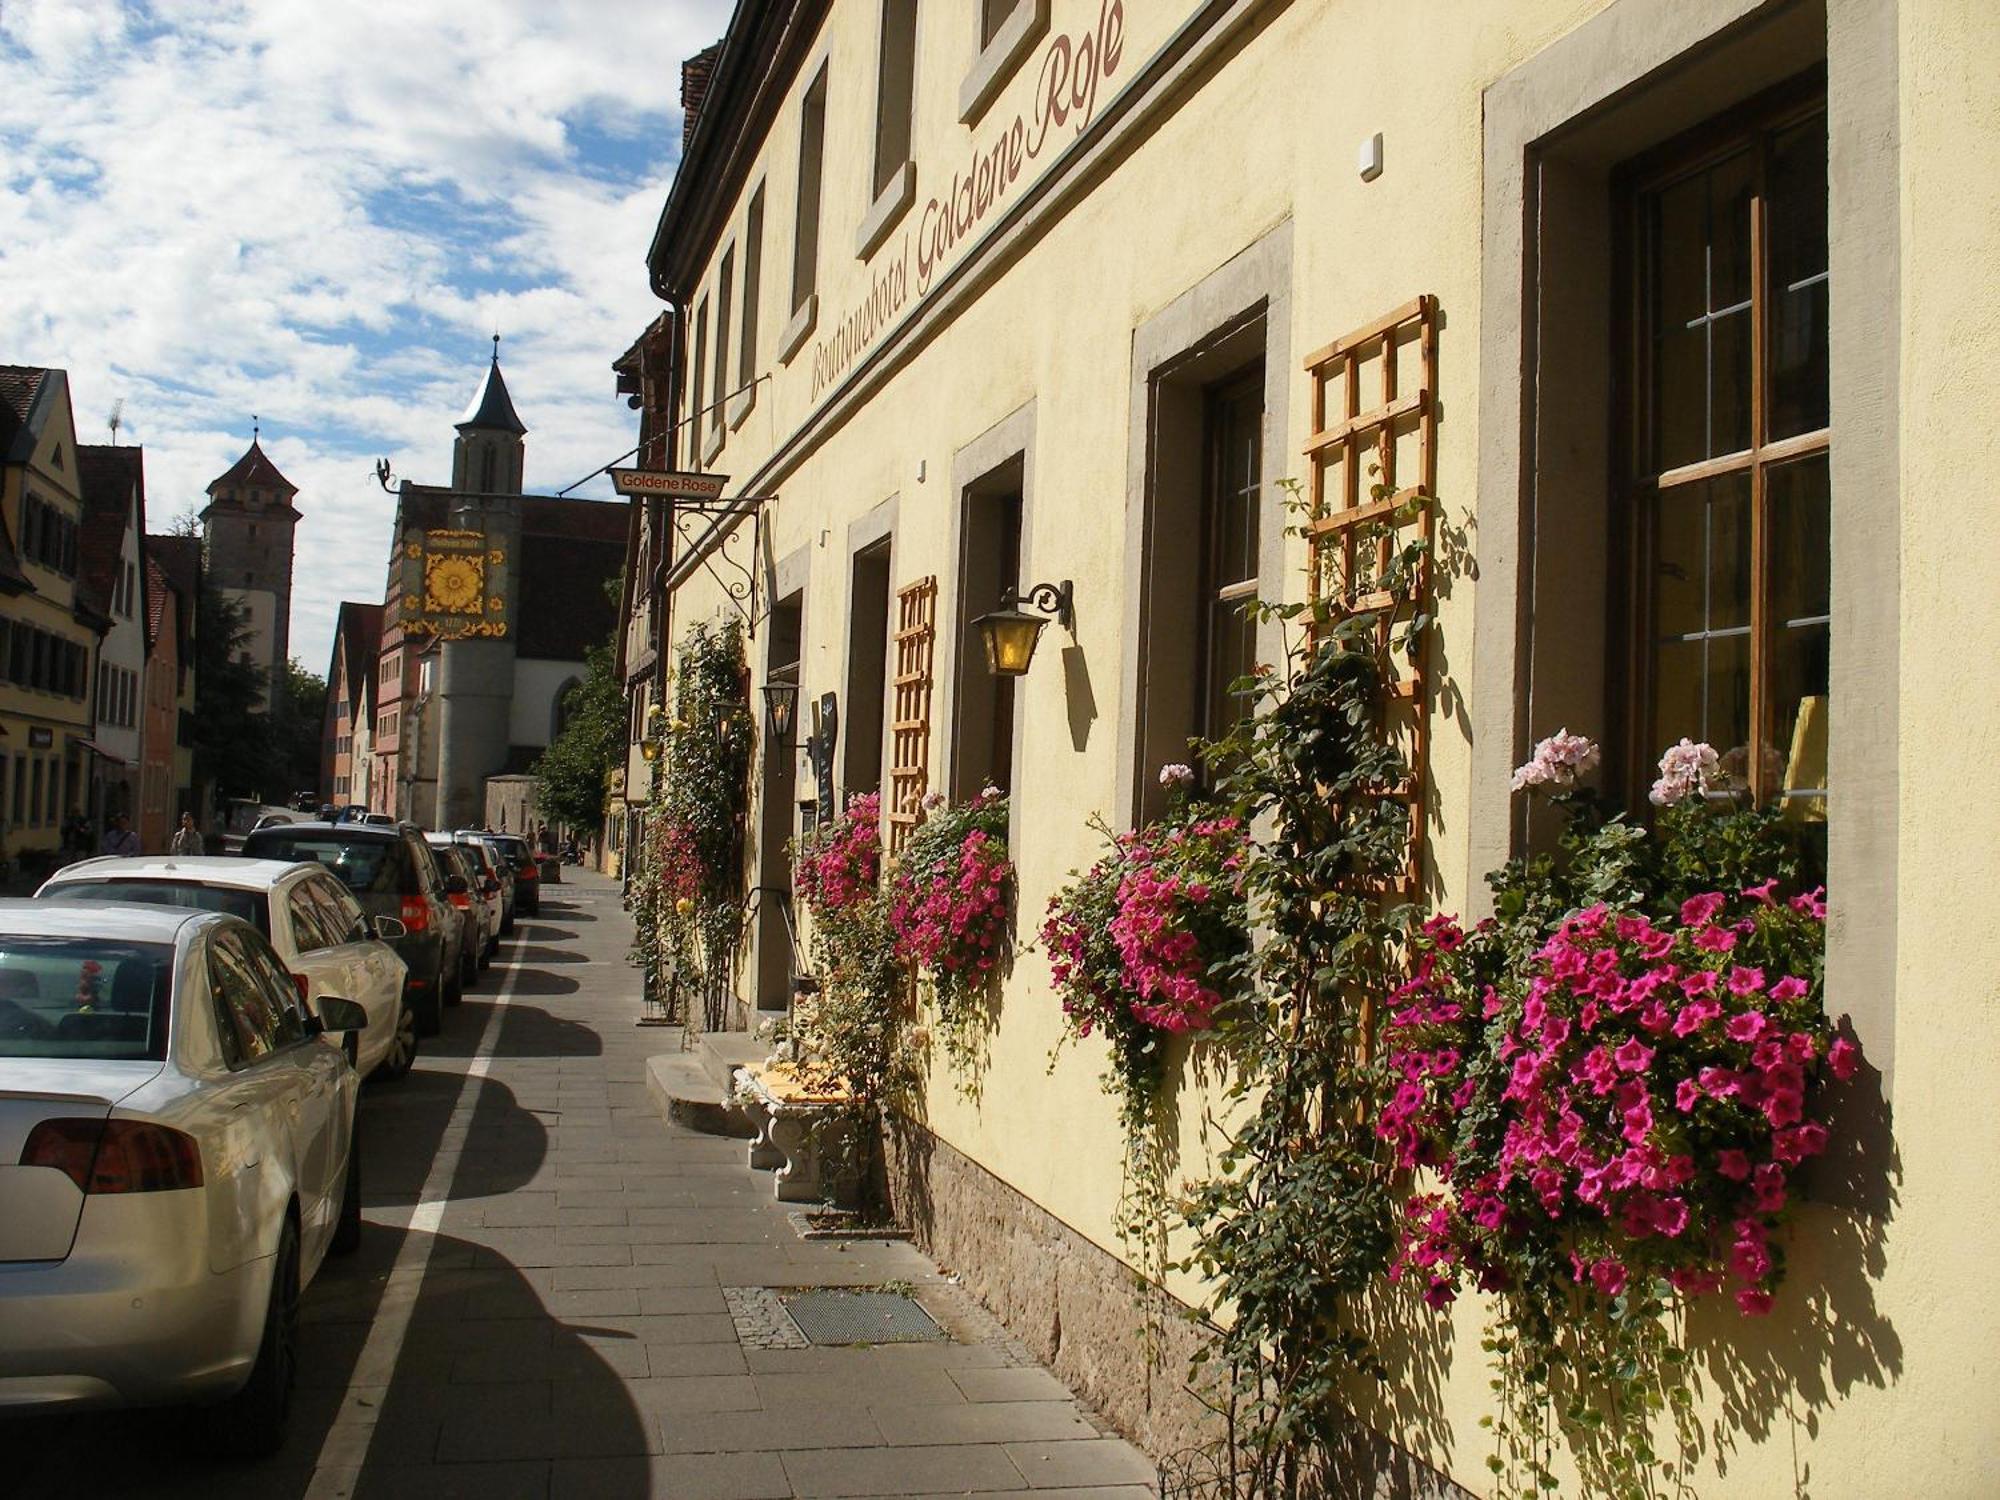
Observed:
{"x":686,"y":890}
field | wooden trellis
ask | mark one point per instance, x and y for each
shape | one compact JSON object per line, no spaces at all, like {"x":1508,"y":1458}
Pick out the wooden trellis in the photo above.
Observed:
{"x":910,"y":726}
{"x":1373,"y":466}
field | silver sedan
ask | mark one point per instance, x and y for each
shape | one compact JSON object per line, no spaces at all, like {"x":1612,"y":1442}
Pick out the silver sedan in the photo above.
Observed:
{"x":177,"y":1156}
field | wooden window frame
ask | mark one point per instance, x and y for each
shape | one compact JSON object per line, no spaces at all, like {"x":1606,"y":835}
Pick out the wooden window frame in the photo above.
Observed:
{"x":1751,"y":124}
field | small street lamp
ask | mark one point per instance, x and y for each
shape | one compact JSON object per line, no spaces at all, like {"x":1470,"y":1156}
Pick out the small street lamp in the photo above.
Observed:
{"x":1011,"y":633}
{"x":656,"y":725}
{"x":781,"y":705}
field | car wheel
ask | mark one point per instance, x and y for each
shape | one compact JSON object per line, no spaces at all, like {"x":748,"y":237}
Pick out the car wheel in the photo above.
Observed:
{"x":402,"y":1054}
{"x":251,"y":1423}
{"x":347,"y":1228}
{"x":468,"y":965}
{"x":452,"y":986}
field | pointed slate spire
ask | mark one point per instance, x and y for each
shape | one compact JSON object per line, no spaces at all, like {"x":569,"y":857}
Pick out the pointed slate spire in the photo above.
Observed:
{"x":492,"y":409}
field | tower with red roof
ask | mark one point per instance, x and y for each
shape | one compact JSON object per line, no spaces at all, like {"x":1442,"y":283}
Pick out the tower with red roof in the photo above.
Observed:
{"x":249,"y":524}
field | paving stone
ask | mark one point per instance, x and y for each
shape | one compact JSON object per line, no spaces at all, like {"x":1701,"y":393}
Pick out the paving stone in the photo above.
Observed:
{"x":1010,"y":1385}
{"x":467,"y":1481}
{"x":958,"y":1470}
{"x":816,"y":1426}
{"x":983,"y":1422}
{"x":1102,"y":1461}
{"x":680,"y":1476}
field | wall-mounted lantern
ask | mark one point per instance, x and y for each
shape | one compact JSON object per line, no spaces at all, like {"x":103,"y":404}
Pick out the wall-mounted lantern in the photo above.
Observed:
{"x":781,"y":708}
{"x":1010,"y":632}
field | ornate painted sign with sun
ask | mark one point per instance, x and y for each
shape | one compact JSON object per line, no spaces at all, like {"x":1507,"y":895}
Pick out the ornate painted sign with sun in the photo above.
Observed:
{"x":454,"y":586}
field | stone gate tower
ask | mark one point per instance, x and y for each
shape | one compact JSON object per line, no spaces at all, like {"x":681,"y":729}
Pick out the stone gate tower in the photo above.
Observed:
{"x":248,"y":525}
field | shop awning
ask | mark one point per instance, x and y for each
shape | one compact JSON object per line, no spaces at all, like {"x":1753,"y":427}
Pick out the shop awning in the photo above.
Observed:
{"x":101,"y":753}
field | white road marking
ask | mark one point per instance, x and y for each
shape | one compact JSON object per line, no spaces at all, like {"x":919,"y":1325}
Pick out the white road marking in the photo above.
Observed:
{"x":344,"y":1453}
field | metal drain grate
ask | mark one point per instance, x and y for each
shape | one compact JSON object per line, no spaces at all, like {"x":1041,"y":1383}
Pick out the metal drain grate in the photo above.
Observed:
{"x":830,"y":1316}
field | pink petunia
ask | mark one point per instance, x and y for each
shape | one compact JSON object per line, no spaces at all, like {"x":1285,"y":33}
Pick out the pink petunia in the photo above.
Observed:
{"x":1733,"y":1164}
{"x":1842,"y":1058}
{"x":1753,"y":1302}
{"x":1697,"y":911}
{"x":1747,"y":1027}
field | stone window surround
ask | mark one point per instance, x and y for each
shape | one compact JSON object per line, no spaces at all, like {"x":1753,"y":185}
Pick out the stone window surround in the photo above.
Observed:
{"x":1010,"y":439}
{"x":875,"y":527}
{"x":1649,"y":62}
{"x":1025,"y":25}
{"x":745,"y":396}
{"x":1194,"y":340}
{"x":805,"y":311}
{"x":896,"y":195}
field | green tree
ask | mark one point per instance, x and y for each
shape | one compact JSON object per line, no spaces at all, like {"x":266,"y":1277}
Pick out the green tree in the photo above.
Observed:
{"x":570,"y":774}
{"x":232,"y":735}
{"x":300,"y":726}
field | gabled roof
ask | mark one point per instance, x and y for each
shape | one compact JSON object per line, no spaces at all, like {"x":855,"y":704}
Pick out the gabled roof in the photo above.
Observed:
{"x":357,"y":635}
{"x":492,"y":409}
{"x":179,"y":558}
{"x":106,"y":479}
{"x":254,"y":468}
{"x":21,"y":389}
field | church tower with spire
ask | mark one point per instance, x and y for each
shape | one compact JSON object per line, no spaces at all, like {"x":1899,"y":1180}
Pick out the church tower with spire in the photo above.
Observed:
{"x":248,"y":526}
{"x":491,"y":445}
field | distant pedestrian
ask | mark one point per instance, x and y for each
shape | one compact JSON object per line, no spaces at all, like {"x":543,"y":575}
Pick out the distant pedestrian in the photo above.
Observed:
{"x":119,"y":839}
{"x":187,"y":838}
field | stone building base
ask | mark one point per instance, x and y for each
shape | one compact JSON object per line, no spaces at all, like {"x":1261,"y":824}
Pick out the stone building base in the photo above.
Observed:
{"x":1074,"y":1306}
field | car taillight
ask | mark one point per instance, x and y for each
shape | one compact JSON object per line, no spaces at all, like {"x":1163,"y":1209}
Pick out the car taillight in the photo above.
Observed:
{"x":305,"y":986}
{"x":115,"y":1156}
{"x":528,"y":872}
{"x":460,"y":899}
{"x":416,"y":914}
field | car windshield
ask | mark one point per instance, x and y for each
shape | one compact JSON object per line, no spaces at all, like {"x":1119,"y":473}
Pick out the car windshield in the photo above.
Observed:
{"x":514,"y":849}
{"x":363,"y":865}
{"x":84,"y":997}
{"x":253,"y":907}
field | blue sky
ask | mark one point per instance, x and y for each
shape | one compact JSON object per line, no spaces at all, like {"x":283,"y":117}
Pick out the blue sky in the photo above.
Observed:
{"x":319,"y":213}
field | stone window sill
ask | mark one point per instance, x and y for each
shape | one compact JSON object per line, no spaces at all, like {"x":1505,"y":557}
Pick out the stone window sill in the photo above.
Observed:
{"x":799,"y":329}
{"x":998,"y":59}
{"x":887,"y":210}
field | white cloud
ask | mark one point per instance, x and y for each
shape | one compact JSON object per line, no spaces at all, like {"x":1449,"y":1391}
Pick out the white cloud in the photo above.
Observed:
{"x":317,"y":213}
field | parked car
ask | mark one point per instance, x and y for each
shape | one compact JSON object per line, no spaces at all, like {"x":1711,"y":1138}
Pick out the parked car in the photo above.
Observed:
{"x":391,"y":873}
{"x":480,"y":910}
{"x":319,"y":930}
{"x":177,"y":1156}
{"x":527,"y":870}
{"x":502,"y":867}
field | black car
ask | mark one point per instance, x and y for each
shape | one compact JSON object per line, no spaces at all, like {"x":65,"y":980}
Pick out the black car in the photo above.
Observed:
{"x":391,"y":873}
{"x":527,"y":869}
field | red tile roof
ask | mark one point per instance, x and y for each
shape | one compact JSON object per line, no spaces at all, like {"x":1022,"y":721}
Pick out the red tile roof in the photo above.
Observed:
{"x":254,"y":468}
{"x":19,"y":385}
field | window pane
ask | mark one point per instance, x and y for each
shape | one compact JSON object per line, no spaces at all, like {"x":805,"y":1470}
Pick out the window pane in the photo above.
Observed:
{"x":1729,"y":352}
{"x":1232,"y":653}
{"x":1798,"y":279}
{"x":1680,"y":397}
{"x":1731,"y":183}
{"x":1729,"y":552}
{"x":1801,"y":540}
{"x":1799,"y":691}
{"x":1677,"y":231}
{"x":1680,"y":569}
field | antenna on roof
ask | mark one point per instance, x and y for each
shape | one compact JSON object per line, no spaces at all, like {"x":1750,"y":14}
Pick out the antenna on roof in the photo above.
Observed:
{"x":496,"y":346}
{"x":117,"y":416}
{"x":256,"y":428}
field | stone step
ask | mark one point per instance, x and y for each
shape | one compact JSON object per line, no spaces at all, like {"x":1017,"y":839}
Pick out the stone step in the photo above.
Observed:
{"x":685,"y":1095}
{"x":723,"y":1052}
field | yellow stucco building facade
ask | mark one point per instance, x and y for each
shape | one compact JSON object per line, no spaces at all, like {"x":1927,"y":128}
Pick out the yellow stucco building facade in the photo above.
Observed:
{"x":995,"y":295}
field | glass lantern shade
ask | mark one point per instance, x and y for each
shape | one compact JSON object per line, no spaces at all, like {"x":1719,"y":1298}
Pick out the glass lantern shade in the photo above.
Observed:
{"x":1010,"y":636}
{"x":781,"y":706}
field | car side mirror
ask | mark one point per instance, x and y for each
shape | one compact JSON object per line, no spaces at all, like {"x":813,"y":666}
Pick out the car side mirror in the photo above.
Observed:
{"x":490,"y":886}
{"x":455,"y":885}
{"x":388,"y":929}
{"x":341,"y":1015}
